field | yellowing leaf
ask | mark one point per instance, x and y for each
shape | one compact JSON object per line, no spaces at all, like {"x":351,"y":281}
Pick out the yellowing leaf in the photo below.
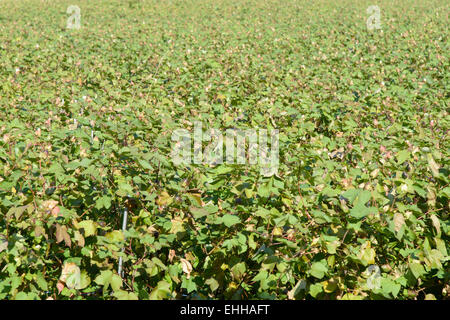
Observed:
{"x":366,"y":254}
{"x":436,"y":223}
{"x":3,"y":243}
{"x":177,"y":225}
{"x":277,"y":231}
{"x":329,"y":286}
{"x":89,"y":227}
{"x":164,"y":199}
{"x":115,"y":236}
{"x":79,"y":238}
{"x":399,"y":221}
{"x":434,"y":167}
{"x":430,"y":296}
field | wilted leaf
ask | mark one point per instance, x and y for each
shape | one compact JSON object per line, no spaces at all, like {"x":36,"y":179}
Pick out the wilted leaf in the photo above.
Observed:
{"x":399,"y":221}
{"x":436,"y":223}
{"x":61,"y":234}
{"x":70,"y":276}
{"x":187,"y":267}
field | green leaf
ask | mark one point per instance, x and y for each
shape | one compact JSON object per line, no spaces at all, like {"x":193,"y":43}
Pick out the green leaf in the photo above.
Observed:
{"x":22,"y":296}
{"x":230,"y":220}
{"x":104,"y":278}
{"x":213,"y":284}
{"x":116,"y":282}
{"x":161,"y":291}
{"x":318,"y":269}
{"x":40,"y":280}
{"x":238,"y":270}
{"x":107,"y":278}
{"x":417,"y":269}
{"x":123,"y":295}
{"x":198,"y":213}
{"x":103,"y":202}
{"x":320,"y":217}
{"x":85,"y":280}
{"x":389,"y":286}
{"x":315,"y":289}
{"x":402,"y":156}
{"x":124,"y":189}
{"x":359,"y":211}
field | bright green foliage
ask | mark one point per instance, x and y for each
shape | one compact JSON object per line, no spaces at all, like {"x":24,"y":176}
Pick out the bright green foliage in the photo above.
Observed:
{"x":364,"y":150}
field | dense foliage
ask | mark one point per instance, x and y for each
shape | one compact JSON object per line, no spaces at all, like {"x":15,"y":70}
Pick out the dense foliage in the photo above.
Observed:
{"x":359,"y":207}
